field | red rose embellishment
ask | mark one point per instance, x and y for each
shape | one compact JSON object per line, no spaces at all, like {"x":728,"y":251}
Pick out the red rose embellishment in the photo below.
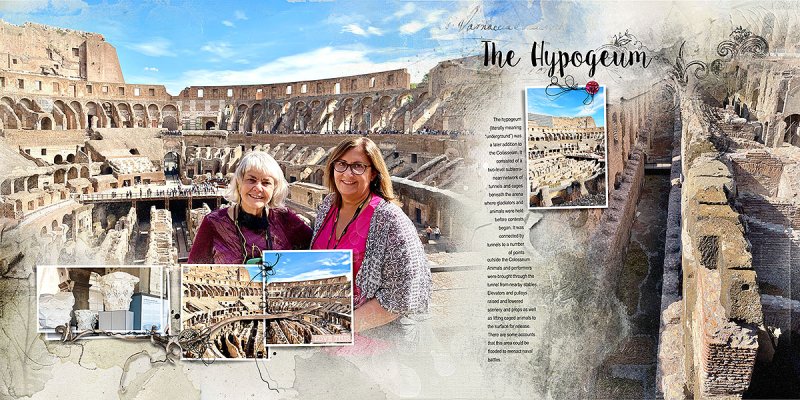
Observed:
{"x":592,"y":87}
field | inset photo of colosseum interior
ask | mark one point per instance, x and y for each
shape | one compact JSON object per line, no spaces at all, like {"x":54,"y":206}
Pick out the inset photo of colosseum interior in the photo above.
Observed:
{"x":566,"y":139}
{"x":309,"y":298}
{"x":293,"y":298}
{"x":225,"y":305}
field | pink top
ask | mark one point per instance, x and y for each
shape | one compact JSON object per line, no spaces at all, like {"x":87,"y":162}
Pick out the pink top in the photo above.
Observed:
{"x":354,"y":239}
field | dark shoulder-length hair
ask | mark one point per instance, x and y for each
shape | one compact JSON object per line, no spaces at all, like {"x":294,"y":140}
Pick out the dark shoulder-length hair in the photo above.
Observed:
{"x":380,"y":185}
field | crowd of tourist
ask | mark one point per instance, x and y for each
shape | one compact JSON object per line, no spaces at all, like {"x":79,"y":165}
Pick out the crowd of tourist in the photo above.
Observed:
{"x":205,"y":188}
{"x":362,"y":132}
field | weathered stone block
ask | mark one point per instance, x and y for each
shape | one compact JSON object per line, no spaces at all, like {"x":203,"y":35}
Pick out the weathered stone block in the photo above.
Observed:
{"x":739,"y":295}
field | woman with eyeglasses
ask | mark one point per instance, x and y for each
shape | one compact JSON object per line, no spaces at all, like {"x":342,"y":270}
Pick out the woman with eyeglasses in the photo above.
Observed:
{"x":256,"y":221}
{"x":391,"y":273}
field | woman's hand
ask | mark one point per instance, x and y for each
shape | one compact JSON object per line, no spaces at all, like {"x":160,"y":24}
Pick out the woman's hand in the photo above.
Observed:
{"x":372,"y":315}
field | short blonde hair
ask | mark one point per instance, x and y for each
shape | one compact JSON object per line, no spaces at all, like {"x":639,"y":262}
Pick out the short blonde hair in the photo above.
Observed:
{"x":264,"y":163}
{"x":381,"y":185}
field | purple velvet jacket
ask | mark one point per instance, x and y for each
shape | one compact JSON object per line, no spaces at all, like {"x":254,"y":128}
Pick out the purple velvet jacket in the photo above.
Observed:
{"x":218,"y":242}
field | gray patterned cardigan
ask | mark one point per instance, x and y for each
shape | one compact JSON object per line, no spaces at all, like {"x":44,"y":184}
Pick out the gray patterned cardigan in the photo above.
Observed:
{"x":395,"y":269}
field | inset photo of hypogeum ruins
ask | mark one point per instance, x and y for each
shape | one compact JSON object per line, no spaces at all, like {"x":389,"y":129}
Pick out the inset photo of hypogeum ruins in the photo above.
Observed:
{"x":95,"y":300}
{"x":223,"y":305}
{"x":566,"y":147}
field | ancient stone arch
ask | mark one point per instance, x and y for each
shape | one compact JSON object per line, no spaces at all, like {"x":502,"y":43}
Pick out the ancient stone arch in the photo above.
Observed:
{"x":58,"y":176}
{"x":791,"y":133}
{"x":153,"y":115}
{"x":301,"y":115}
{"x":69,"y":119}
{"x":33,"y":181}
{"x":257,"y":118}
{"x":46,"y":124}
{"x":112,"y":115}
{"x":80,"y":118}
{"x":19,"y":185}
{"x":170,"y":123}
{"x":95,"y":118}
{"x":169,"y":116}
{"x":7,"y":114}
{"x":26,"y":111}
{"x":240,"y":118}
{"x":326,"y":118}
{"x":139,"y":117}
{"x":364,"y":117}
{"x":7,"y":187}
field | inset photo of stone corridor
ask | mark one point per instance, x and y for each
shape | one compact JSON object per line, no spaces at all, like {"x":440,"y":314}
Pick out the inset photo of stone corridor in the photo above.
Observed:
{"x":566,"y":147}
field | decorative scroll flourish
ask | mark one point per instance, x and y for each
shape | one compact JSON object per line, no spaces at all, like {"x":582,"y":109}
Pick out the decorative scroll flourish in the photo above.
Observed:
{"x":557,"y":89}
{"x":173,"y":345}
{"x":622,"y":41}
{"x":680,"y":71}
{"x":742,"y":42}
{"x":191,"y":340}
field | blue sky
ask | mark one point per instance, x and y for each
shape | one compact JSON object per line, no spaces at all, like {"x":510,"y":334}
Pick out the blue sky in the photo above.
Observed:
{"x":303,"y":265}
{"x":570,"y":104}
{"x":179,"y":43}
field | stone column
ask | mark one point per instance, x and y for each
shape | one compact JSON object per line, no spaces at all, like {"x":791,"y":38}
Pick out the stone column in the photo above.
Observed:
{"x":86,"y":319}
{"x":55,"y":309}
{"x":117,"y":288}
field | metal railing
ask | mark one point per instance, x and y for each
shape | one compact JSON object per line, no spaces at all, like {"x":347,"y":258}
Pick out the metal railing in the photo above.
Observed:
{"x":152,"y":194}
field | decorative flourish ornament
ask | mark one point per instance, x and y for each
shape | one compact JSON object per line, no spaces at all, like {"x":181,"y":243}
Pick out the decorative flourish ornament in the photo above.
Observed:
{"x":557,"y":89}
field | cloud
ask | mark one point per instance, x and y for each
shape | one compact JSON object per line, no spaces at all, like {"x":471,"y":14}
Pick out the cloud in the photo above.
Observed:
{"x":340,"y":261}
{"x":411,"y":28}
{"x":240,"y":15}
{"x":357,"y":30}
{"x":598,"y":104}
{"x":153,"y":69}
{"x":343,"y":19}
{"x":315,"y":274}
{"x":157,"y":47}
{"x":408,"y":8}
{"x":321,"y":63}
{"x":219,"y":49}
{"x":228,"y":23}
{"x":34,"y":6}
{"x":415,"y":26}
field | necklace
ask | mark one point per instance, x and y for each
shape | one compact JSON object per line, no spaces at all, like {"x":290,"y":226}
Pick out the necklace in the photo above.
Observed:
{"x":254,"y":248}
{"x":344,"y":231}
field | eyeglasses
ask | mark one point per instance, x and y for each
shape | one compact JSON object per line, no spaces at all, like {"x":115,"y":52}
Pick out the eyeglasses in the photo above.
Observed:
{"x":357,"y":168}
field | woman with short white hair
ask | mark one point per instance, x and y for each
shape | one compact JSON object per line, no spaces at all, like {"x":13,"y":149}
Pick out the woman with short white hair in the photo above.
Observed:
{"x":256,"y":221}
